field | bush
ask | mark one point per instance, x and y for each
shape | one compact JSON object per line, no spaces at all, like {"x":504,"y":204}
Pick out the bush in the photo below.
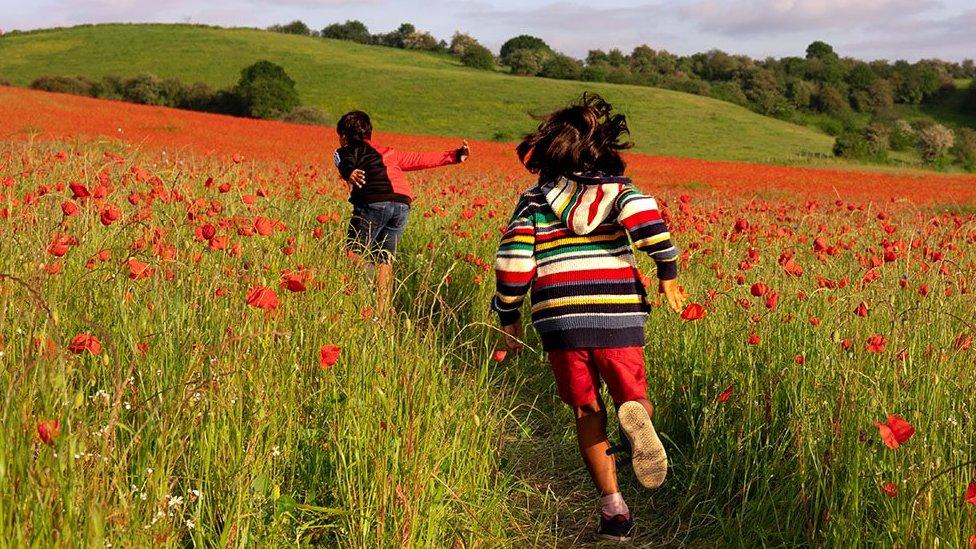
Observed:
{"x":266,"y":90}
{"x":971,"y":97}
{"x":901,"y":136}
{"x":688,"y":85}
{"x":353,"y":31}
{"x":528,"y":62}
{"x":479,"y":57}
{"x":304,"y":114}
{"x":460,"y":43}
{"x":75,"y":85}
{"x":729,"y":91}
{"x":934,"y":141}
{"x":423,"y":41}
{"x":965,"y":148}
{"x":561,"y":67}
{"x":829,"y":100}
{"x":112,"y":87}
{"x":196,"y":97}
{"x":145,"y":89}
{"x":295,"y":27}
{"x":5,"y":82}
{"x":523,"y":42}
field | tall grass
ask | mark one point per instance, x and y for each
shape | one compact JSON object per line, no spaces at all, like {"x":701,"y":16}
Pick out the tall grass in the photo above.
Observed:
{"x":207,"y":422}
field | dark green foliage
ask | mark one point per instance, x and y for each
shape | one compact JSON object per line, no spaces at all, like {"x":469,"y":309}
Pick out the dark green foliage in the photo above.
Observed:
{"x":522,"y":42}
{"x":75,"y":85}
{"x":145,"y":89}
{"x":397,"y":38}
{"x":528,"y":62}
{"x":295,"y":27}
{"x":829,"y":100}
{"x":971,"y":97}
{"x":871,"y":143}
{"x":266,"y":91}
{"x":763,"y":91}
{"x":306,"y":115}
{"x":561,"y":67}
{"x":478,"y":57}
{"x":902,"y":136}
{"x":965,"y":148}
{"x":354,"y":31}
{"x":729,"y":91}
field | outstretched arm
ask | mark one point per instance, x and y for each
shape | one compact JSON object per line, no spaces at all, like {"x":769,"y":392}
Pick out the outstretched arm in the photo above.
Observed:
{"x":412,"y":161}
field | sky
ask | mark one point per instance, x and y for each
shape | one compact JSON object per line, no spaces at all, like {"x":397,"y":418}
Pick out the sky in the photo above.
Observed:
{"x":866,"y":29}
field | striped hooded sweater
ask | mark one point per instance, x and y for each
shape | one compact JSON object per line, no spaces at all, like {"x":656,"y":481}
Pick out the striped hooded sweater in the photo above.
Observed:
{"x":570,"y":241}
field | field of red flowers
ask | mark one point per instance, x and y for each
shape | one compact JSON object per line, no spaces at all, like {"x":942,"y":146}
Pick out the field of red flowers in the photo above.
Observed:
{"x":187,"y":356}
{"x":29,"y":113}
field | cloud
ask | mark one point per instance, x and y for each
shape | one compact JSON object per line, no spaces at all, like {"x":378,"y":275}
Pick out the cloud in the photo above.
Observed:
{"x":752,"y":17}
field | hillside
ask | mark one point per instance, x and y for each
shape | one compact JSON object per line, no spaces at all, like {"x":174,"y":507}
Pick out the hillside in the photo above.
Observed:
{"x":407,"y":92}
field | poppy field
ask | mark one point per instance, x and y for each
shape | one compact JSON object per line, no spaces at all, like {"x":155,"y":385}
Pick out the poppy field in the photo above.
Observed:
{"x":187,"y":356}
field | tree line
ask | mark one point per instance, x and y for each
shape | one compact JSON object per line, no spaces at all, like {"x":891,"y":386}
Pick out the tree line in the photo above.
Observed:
{"x":264,"y":90}
{"x":853,"y":100}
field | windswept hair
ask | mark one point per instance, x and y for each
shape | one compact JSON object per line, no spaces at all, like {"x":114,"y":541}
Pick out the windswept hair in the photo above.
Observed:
{"x":584,"y":137}
{"x":355,"y":126}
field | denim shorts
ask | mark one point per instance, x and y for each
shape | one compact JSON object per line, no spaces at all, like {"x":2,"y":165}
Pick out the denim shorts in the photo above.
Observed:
{"x":375,"y":230}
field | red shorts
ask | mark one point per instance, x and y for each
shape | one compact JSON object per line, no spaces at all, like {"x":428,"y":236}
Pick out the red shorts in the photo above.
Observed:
{"x":578,"y":373}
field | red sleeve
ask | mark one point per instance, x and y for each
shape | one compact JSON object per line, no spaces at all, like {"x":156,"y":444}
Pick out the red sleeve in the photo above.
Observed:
{"x":412,"y":161}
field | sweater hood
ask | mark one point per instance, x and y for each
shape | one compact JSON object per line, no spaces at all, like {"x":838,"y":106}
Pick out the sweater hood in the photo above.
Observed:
{"x":583,"y":201}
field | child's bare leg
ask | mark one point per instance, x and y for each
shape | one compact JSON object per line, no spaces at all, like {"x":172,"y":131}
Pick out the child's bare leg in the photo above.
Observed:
{"x":647,"y":406}
{"x":591,"y":433}
{"x":384,"y":288}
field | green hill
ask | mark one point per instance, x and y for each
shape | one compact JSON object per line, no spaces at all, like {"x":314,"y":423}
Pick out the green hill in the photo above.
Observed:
{"x":405,"y":91}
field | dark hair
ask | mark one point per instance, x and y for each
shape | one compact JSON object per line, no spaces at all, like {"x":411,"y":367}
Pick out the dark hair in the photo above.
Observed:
{"x":584,"y":137}
{"x":355,"y":126}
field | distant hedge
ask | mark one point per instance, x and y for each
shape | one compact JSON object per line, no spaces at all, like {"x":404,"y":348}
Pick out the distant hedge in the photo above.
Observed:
{"x":264,"y":91}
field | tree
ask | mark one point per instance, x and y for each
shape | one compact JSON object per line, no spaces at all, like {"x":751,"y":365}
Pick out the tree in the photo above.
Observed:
{"x":419,"y":40}
{"x":965,"y":148}
{"x":561,"y":67}
{"x":460,"y":43}
{"x":968,"y":68}
{"x":821,"y":50}
{"x":800,"y":92}
{"x":829,"y":100}
{"x":934,"y":142}
{"x":522,"y":42}
{"x":266,"y":90}
{"x":295,"y":27}
{"x":528,"y":62}
{"x":396,"y":38}
{"x":479,"y":57}
{"x":354,"y":31}
{"x":971,"y":97}
{"x":763,"y":91}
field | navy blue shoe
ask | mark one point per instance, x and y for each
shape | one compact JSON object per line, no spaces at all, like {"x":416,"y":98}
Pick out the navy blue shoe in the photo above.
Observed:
{"x":617,"y":528}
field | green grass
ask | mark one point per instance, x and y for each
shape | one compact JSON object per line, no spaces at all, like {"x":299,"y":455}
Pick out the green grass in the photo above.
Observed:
{"x":406,"y":92}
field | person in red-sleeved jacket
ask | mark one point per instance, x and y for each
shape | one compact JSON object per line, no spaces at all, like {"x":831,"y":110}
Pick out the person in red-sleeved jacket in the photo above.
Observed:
{"x":380,"y":194}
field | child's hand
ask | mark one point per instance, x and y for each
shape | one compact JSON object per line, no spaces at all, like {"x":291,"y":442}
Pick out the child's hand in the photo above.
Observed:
{"x":513,"y":335}
{"x":463,"y":152}
{"x":674,"y":294}
{"x":357,"y":178}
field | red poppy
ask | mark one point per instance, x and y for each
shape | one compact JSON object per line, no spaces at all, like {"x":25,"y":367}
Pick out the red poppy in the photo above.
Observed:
{"x":800,"y":360}
{"x":758,"y":289}
{"x":293,"y":281}
{"x":329,"y":355}
{"x":971,"y":493}
{"x":208,"y":231}
{"x":264,"y":226}
{"x":139,"y":270}
{"x":877,"y":344}
{"x":262,"y":297}
{"x":49,"y":430}
{"x":78,"y":190}
{"x":772,"y":300}
{"x":923,"y":290}
{"x":693,"y":311}
{"x":726,"y":394}
{"x":499,"y":355}
{"x":754,"y":339}
{"x":964,"y":342}
{"x":890,"y":489}
{"x":861,"y":310}
{"x":846,"y":344}
{"x":895,"y":432}
{"x":69,"y":208}
{"x":110,"y":215}
{"x":85,"y":342}
{"x":972,"y":541}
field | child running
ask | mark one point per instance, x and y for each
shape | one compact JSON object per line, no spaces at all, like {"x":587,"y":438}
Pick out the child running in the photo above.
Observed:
{"x":570,"y":241}
{"x":380,"y":195}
